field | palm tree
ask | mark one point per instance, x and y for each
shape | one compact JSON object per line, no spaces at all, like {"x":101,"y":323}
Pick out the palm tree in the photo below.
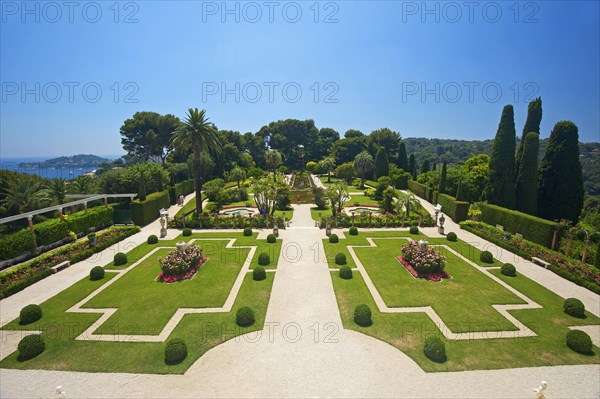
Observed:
{"x":328,"y":165}
{"x":81,"y":185}
{"x":363,"y":166}
{"x":200,"y":134}
{"x":57,"y":189}
{"x":406,"y":202}
{"x":273,"y":158}
{"x":26,"y":194}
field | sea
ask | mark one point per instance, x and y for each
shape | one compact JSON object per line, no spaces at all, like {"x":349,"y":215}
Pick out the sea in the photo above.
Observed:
{"x":14,"y":164}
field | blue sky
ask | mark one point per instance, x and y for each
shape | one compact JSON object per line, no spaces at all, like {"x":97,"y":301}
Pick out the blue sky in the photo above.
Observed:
{"x":440,"y":69}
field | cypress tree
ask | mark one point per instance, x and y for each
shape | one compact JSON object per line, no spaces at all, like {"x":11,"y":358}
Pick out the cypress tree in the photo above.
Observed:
{"x":402,"y":157}
{"x":459,"y":191}
{"x":442,"y":187}
{"x":412,"y":164}
{"x":434,"y":166}
{"x":425,"y":166}
{"x":526,"y":188}
{"x":597,"y":258}
{"x":382,"y":166}
{"x":501,"y":185}
{"x":532,"y":124}
{"x":142,"y":190}
{"x":560,"y":185}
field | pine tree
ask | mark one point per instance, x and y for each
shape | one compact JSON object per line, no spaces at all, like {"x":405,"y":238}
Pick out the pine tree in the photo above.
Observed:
{"x":412,"y":163}
{"x":501,"y":184}
{"x":526,"y":187}
{"x":425,"y":166}
{"x":532,"y":124}
{"x":442,"y":187}
{"x":142,"y":190}
{"x":560,"y":186}
{"x":402,"y":158}
{"x":382,"y":166}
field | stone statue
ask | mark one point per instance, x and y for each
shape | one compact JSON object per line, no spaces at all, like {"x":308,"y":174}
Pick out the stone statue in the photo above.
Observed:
{"x":540,"y":393}
{"x":60,"y":394}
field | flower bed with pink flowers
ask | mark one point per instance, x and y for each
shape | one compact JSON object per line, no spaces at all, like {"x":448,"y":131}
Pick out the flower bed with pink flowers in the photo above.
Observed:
{"x":423,"y":263}
{"x":177,"y":266}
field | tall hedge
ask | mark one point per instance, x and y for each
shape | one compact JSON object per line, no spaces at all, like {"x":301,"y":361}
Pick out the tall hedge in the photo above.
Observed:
{"x":100,"y":216}
{"x":419,"y":189}
{"x":145,"y":212}
{"x":185,"y":187}
{"x":532,"y":228}
{"x":457,"y":210}
{"x":50,"y":231}
{"x":15,"y":244}
{"x":526,"y":187}
{"x":501,"y":184}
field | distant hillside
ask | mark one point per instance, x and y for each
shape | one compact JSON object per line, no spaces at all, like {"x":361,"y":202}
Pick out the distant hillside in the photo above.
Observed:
{"x":87,"y":160}
{"x":458,"y":151}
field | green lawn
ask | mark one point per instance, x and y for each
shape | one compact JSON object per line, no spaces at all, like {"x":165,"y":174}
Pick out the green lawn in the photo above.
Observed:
{"x":334,"y":180}
{"x":144,"y":308}
{"x":188,"y":207}
{"x":362,"y":199}
{"x":463,"y":303}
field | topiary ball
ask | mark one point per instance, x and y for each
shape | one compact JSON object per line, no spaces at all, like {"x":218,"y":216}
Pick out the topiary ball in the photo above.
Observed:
{"x":334,"y":239}
{"x":31,"y":346}
{"x":362,"y":315}
{"x":271,"y":238}
{"x":486,"y":257}
{"x":579,"y":341}
{"x":508,"y":269}
{"x":187,"y":232}
{"x":340,"y":258}
{"x":247,"y":231}
{"x":345,"y":272}
{"x":29,"y":314}
{"x":259,"y":273}
{"x":152,"y":239}
{"x":413,"y":230}
{"x":120,"y":258}
{"x":264,"y":259}
{"x":451,"y":236}
{"x":244,"y":316}
{"x":175,"y":351}
{"x":574,"y":307}
{"x":435,"y":349}
{"x":353,"y":231}
{"x":97,"y":273}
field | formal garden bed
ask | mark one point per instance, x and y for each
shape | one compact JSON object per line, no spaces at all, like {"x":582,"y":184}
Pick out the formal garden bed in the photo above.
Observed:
{"x":181,"y":264}
{"x":423,"y":262}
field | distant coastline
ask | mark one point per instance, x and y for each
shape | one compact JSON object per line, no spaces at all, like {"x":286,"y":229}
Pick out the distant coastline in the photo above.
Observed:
{"x":39,"y":166}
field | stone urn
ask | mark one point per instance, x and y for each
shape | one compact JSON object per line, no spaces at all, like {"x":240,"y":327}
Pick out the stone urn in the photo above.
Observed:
{"x":181,"y":246}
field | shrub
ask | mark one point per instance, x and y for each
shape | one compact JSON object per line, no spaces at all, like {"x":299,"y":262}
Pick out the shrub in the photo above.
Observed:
{"x":31,"y":346}
{"x":120,"y":258}
{"x":97,"y":273}
{"x":244,"y":316}
{"x":340,"y":258}
{"x":486,"y":257}
{"x":29,"y":314}
{"x":353,"y":231}
{"x":579,"y":341}
{"x":508,"y":269}
{"x":271,"y":239}
{"x":247,"y":231}
{"x":452,"y":236}
{"x":175,"y":351}
{"x":362,"y":315}
{"x":187,"y":232}
{"x":153,"y":239}
{"x":435,"y":349}
{"x":345,"y":272}
{"x":574,"y":307}
{"x":259,"y":273}
{"x":51,"y":231}
{"x":414,"y":230}
{"x":264,"y":259}
{"x":13,"y":245}
{"x":334,"y":239}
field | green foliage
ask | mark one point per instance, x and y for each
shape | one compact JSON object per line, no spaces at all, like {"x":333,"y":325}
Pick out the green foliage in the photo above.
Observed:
{"x":340,"y":258}
{"x":319,"y":198}
{"x":508,"y":269}
{"x":574,"y":307}
{"x":412,"y":166}
{"x":501,"y":185}
{"x":414,"y":230}
{"x":363,"y":166}
{"x":457,"y":210}
{"x":247,"y":231}
{"x":444,"y":176}
{"x":402,"y":161}
{"x":51,"y":231}
{"x":97,"y":273}
{"x":400,"y":179}
{"x":13,"y":245}
{"x":187,"y":232}
{"x":152,"y":239}
{"x":425,"y":166}
{"x":334,"y":239}
{"x":345,"y":272}
{"x":435,"y":349}
{"x":213,"y":188}
{"x":259,"y":273}
{"x":30,"y":314}
{"x":121,"y":258}
{"x":353,"y":231}
{"x":451,"y":236}
{"x":580,"y":342}
{"x":97,"y":217}
{"x":597,"y":258}
{"x":527,"y":179}
{"x":175,"y":351}
{"x":345,"y":172}
{"x":560,"y":188}
{"x":271,"y":239}
{"x":382,"y":184}
{"x":31,"y":346}
{"x":264,"y":259}
{"x":418,"y":188}
{"x":142,"y":190}
{"x":244,"y":316}
{"x":362,"y":315}
{"x":145,"y":212}
{"x":381,"y":167}
{"x":532,"y":124}
{"x":532,"y":228}
{"x":486,"y":257}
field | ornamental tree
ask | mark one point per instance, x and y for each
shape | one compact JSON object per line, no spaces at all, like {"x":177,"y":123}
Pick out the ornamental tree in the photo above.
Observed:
{"x":501,"y":185}
{"x":526,"y":188}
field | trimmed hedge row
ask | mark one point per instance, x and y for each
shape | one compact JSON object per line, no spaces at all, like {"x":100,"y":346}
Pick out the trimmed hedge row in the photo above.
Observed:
{"x":532,"y":228}
{"x":13,"y":245}
{"x":457,"y":210}
{"x":99,"y":216}
{"x":146,"y":211}
{"x":419,"y":189}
